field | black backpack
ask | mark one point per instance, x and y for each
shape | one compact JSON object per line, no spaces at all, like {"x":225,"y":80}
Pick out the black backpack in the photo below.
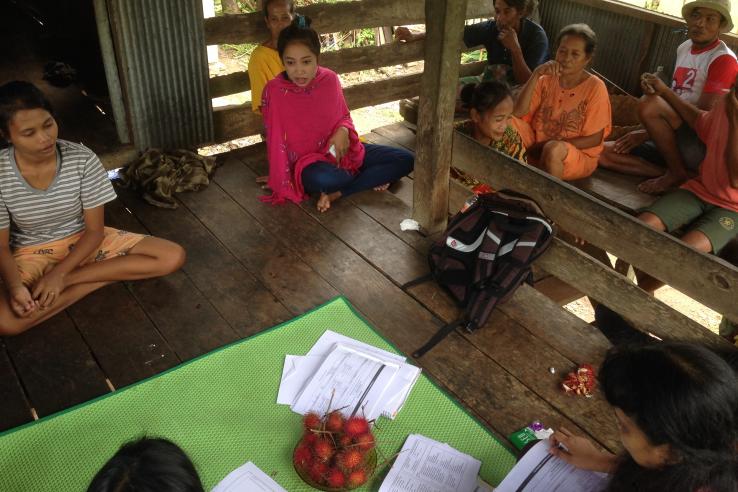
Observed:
{"x":484,"y":255}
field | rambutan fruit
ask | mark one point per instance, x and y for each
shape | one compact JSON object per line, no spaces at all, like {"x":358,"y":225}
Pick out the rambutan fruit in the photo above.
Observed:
{"x":344,"y":441}
{"x":356,"y":478}
{"x":318,"y":471}
{"x":302,"y":456}
{"x":310,"y":438}
{"x":334,"y":422}
{"x":350,"y":459}
{"x":335,"y":478}
{"x":356,"y":426}
{"x":312,"y":421}
{"x":365,"y":442}
{"x":323,"y":449}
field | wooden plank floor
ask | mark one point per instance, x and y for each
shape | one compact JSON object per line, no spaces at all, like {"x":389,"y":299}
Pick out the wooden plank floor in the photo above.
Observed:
{"x":251,"y":266}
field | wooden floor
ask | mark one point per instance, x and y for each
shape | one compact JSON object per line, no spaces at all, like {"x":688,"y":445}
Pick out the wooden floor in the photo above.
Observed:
{"x":251,"y":266}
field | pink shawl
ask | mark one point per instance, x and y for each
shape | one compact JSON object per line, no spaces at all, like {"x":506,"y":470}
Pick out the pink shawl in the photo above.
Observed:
{"x":299,"y":121}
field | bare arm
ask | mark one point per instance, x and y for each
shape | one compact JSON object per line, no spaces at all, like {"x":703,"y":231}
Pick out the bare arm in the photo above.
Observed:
{"x":521,"y":71}
{"x":707,"y":101}
{"x":522,"y":105}
{"x":588,"y":141}
{"x":405,"y":34}
{"x":652,"y":84}
{"x":48,"y":287}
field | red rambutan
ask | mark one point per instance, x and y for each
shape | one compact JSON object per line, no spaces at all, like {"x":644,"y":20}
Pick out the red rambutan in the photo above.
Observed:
{"x":302,"y":456}
{"x":356,"y":426}
{"x":350,"y":459}
{"x":323,"y":449}
{"x":310,"y":438}
{"x":318,"y":471}
{"x":312,"y":421}
{"x":336,"y":478}
{"x":334,"y":422}
{"x":365,"y":442}
{"x":345,"y":441}
{"x":356,"y":478}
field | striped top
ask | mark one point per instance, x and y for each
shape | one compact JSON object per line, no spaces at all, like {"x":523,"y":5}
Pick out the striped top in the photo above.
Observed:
{"x":40,"y":216}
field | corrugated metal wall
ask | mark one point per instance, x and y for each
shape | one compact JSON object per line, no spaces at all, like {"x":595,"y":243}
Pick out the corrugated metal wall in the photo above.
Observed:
{"x":163,"y":64}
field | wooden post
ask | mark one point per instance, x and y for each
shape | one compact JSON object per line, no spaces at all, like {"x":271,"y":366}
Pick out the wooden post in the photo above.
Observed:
{"x":444,"y":28}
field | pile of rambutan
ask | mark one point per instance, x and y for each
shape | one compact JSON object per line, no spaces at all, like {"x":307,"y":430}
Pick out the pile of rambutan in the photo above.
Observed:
{"x":335,"y":453}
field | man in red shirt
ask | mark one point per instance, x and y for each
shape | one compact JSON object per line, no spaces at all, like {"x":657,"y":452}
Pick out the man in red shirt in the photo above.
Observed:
{"x":705,"y":70}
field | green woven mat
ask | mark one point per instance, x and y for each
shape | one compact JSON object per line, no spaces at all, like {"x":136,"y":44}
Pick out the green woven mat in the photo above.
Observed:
{"x":220,"y":408}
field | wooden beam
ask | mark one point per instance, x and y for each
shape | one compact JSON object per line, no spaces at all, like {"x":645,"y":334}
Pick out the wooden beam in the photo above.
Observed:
{"x":436,"y":112}
{"x":250,"y":28}
{"x":238,"y":121}
{"x":705,"y":278}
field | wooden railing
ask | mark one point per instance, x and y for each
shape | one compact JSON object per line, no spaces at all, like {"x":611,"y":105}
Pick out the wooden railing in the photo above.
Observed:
{"x":705,"y":278}
{"x":236,"y":121}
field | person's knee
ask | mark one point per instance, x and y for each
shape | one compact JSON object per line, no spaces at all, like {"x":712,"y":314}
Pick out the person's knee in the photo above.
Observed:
{"x":650,"y":107}
{"x":554,"y":151}
{"x":172,"y":258}
{"x":652,"y":220}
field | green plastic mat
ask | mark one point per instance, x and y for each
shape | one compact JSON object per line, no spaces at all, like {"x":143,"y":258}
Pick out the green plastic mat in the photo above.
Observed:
{"x":220,"y":408}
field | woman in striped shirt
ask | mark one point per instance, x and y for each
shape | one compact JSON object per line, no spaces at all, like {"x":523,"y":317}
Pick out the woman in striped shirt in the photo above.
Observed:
{"x":54,"y":246}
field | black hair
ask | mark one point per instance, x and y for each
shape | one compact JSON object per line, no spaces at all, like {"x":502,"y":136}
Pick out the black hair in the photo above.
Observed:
{"x":681,"y":395}
{"x":485,"y":95}
{"x":299,"y":32}
{"x":16,"y":96}
{"x":584,"y":32}
{"x":267,"y":3}
{"x":147,"y":465}
{"x":526,"y":7}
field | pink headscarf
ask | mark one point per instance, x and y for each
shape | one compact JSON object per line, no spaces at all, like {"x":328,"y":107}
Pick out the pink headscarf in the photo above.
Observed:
{"x":299,"y":121}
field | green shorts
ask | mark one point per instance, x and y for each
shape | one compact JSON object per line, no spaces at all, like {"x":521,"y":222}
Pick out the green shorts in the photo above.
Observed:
{"x":683,"y":208}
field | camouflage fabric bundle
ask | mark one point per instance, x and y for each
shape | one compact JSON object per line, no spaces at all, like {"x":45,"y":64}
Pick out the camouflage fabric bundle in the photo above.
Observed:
{"x":158,"y":175}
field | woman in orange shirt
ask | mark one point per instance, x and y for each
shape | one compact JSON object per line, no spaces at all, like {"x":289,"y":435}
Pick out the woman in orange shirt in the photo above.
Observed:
{"x":563,"y":112}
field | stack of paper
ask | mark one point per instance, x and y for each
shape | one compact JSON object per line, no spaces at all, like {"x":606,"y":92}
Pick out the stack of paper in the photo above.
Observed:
{"x":248,"y":478}
{"x":425,"y":465}
{"x":342,"y":373}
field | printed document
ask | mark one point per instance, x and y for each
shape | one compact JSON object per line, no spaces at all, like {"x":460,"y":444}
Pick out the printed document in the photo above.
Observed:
{"x":425,"y":465}
{"x":248,"y":478}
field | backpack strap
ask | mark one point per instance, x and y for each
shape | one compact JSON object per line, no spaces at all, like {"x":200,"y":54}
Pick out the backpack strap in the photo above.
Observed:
{"x":442,"y":333}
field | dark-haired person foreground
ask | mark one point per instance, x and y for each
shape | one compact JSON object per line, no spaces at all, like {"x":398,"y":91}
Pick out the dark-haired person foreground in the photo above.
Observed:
{"x":312,"y":145}
{"x":54,"y":246}
{"x":563,"y":112}
{"x":515,"y":44}
{"x":147,"y":465}
{"x":677,"y":410}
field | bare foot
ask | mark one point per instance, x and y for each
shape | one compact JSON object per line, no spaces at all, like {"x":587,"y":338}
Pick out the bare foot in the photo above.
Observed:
{"x":383,"y":187}
{"x":658,"y":186}
{"x":325,"y":200}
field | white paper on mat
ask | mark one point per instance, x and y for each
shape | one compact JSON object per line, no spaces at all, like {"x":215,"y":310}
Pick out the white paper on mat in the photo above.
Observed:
{"x":297,"y":370}
{"x":426,"y":465}
{"x":347,"y":379}
{"x":545,"y":473}
{"x":248,"y":478}
{"x":329,"y":338}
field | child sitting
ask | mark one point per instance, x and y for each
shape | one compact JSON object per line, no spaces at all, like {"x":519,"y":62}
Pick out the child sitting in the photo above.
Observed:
{"x":677,"y":409}
{"x":490,"y":108}
{"x":264,"y":62}
{"x":147,"y":465}
{"x":312,"y":145}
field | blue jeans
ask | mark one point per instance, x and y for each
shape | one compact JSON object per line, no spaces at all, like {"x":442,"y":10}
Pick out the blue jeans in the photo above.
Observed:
{"x":382,"y":165}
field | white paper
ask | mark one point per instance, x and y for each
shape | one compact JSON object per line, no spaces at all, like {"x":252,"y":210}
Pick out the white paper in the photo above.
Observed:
{"x":329,"y":339}
{"x":425,"y":465}
{"x":248,"y":478}
{"x":297,"y":370}
{"x":548,"y":473}
{"x":348,"y":379}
